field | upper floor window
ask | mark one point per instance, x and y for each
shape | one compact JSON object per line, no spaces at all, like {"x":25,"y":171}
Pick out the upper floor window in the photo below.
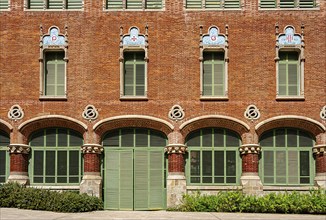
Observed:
{"x":55,"y":4}
{"x":213,"y":4}
{"x":133,"y":64}
{"x":288,"y":4}
{"x":4,"y":5}
{"x":53,"y":64}
{"x":289,"y":64}
{"x":213,"y":64}
{"x":134,"y":4}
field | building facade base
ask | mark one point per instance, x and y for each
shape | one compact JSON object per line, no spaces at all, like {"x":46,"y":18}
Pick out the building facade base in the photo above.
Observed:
{"x":251,"y":184}
{"x":320,"y":180}
{"x":91,"y":184}
{"x":19,"y":177}
{"x":176,"y":188}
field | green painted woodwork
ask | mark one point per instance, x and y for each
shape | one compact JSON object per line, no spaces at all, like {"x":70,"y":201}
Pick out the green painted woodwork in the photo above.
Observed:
{"x":286,"y":157}
{"x":153,"y":4}
{"x":134,"y":74}
{"x":288,"y":75}
{"x":4,"y":4}
{"x":307,"y":3}
{"x":194,"y":4}
{"x":114,"y":4}
{"x":134,"y":170}
{"x":231,"y":3}
{"x":54,"y":74}
{"x":134,"y":4}
{"x":267,"y":3}
{"x":213,"y":157}
{"x":213,"y":74}
{"x":198,"y":4}
{"x":213,"y":3}
{"x":74,"y":4}
{"x":287,"y":3}
{"x":55,"y":4}
{"x":36,"y":4}
{"x":56,"y":157}
{"x":4,"y":157}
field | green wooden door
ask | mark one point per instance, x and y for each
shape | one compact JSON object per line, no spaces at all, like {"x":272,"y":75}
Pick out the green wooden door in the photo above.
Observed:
{"x":134,"y":179}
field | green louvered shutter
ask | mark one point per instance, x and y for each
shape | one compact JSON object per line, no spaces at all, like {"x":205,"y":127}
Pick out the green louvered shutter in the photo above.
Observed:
{"x":293,"y":164}
{"x":268,"y":166}
{"x":55,"y":74}
{"x":154,"y":4}
{"x":282,"y":85}
{"x":287,"y":4}
{"x":126,"y":183}
{"x":213,"y":4}
{"x":193,"y":4}
{"x":306,"y":3}
{"x":74,"y":4}
{"x":141,"y":178}
{"x":140,"y":79}
{"x":293,"y":79}
{"x":156,"y":178}
{"x":112,"y":176}
{"x":114,"y":4}
{"x":207,"y":79}
{"x":219,"y":79}
{"x":134,"y":4}
{"x":134,"y":74}
{"x":129,"y":79}
{"x":280,"y":172}
{"x":267,"y":3}
{"x":55,"y":4}
{"x":231,"y":3}
{"x":4,"y":4}
{"x":36,"y":4}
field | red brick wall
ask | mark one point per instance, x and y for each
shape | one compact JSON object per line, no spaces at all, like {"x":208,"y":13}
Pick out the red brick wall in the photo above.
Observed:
{"x":18,"y":163}
{"x":321,"y":163}
{"x":176,"y":162}
{"x":250,"y":163}
{"x":91,"y":162}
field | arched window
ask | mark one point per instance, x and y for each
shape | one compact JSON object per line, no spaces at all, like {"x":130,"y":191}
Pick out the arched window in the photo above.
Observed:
{"x":213,"y":157}
{"x":4,"y":156}
{"x":286,"y":157}
{"x":56,"y":157}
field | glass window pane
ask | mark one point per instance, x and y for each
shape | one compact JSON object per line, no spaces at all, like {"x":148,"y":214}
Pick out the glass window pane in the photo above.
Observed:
{"x":195,"y":163}
{"x":62,"y":163}
{"x":231,"y":168}
{"x":50,"y":163}
{"x":219,"y":163}
{"x":292,"y":138}
{"x":62,"y":179}
{"x":127,"y":138}
{"x":37,"y":139}
{"x":218,"y":138}
{"x":207,"y":163}
{"x":232,"y":139}
{"x":38,"y":162}
{"x":266,"y":139}
{"x":74,"y":157}
{"x":305,"y":140}
{"x":304,"y":163}
{"x":193,"y":139}
{"x":62,"y":138}
{"x":207,"y":137}
{"x":280,"y":137}
{"x":3,"y":162}
{"x":51,"y":137}
{"x":141,"y":138}
{"x":76,"y":139}
{"x":111,"y":139}
{"x":157,"y":139}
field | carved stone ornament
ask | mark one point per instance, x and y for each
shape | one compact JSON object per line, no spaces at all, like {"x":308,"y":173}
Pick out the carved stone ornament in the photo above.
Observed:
{"x":92,"y":149}
{"x":19,"y":149}
{"x":252,"y":112}
{"x":323,"y":113}
{"x":15,"y":113}
{"x":90,"y":113}
{"x":176,"y":149}
{"x":319,"y":149}
{"x":250,"y":149}
{"x":176,"y":113}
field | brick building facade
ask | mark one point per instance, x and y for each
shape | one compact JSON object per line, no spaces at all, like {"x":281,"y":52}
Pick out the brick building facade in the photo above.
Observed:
{"x":142,"y":101}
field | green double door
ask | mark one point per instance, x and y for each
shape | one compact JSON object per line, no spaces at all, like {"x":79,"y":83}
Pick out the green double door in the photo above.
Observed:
{"x":134,"y":179}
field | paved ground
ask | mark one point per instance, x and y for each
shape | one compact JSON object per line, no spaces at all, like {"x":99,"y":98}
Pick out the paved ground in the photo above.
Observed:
{"x":20,"y":214}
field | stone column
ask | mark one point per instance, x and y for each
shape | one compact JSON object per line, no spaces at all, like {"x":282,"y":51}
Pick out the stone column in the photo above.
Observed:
{"x":91,"y":183}
{"x":250,"y":181}
{"x":19,"y":163}
{"x":319,"y":152}
{"x":176,"y":180}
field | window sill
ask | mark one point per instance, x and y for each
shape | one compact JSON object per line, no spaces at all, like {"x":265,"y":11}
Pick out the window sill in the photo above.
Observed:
{"x":133,"y":10}
{"x":52,"y":10}
{"x":287,"y":188}
{"x":214,"y":98}
{"x":215,"y":187}
{"x":214,"y":9}
{"x":289,"y":9}
{"x":133,"y":98}
{"x":50,"y":98}
{"x":65,"y":187}
{"x":290,"y":98}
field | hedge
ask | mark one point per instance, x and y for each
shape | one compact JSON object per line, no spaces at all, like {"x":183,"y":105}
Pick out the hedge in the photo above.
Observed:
{"x":13,"y":195}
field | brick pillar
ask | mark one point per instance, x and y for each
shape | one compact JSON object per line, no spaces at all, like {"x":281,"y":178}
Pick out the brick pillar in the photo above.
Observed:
{"x":19,"y":154}
{"x":176,"y":181}
{"x":250,"y":181}
{"x":91,"y":183}
{"x":319,"y":152}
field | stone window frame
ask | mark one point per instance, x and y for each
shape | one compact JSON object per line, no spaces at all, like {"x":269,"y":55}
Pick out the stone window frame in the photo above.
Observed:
{"x":133,"y":48}
{"x":126,"y":9}
{"x":241,"y":3}
{"x":8,"y":8}
{"x":52,"y":48}
{"x":301,"y":59}
{"x":64,"y":3}
{"x":277,"y":7}
{"x":214,"y":48}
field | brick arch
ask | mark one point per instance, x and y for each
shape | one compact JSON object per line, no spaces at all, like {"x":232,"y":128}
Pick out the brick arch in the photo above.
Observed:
{"x":134,"y":121}
{"x":34,"y":124}
{"x":5,"y":126}
{"x":304,"y":123}
{"x":221,"y":121}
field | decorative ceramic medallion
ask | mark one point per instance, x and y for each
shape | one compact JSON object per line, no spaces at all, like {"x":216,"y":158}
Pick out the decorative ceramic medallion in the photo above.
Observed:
{"x":252,"y":112}
{"x":90,"y":113}
{"x":323,"y":113}
{"x":54,"y":38}
{"x":213,"y":37}
{"x":176,"y":113}
{"x":289,"y":37}
{"x":15,"y":112}
{"x":133,"y":38}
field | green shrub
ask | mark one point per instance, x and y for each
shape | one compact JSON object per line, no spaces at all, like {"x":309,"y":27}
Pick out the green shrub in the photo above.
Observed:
{"x":17,"y":196}
{"x":313,"y":202}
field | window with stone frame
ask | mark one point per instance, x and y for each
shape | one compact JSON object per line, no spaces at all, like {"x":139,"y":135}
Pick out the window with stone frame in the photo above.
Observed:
{"x":213,"y":4}
{"x":213,"y":64}
{"x":289,"y":64}
{"x":54,"y":4}
{"x":133,"y":64}
{"x":4,"y":156}
{"x":134,"y":4}
{"x":53,"y":64}
{"x":288,"y":4}
{"x":4,"y":5}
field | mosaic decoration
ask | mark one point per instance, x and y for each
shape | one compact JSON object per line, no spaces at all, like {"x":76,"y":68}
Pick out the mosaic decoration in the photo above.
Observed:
{"x":177,"y":149}
{"x":176,"y":113}
{"x":91,"y":149}
{"x":54,"y":38}
{"x":90,"y":113}
{"x":252,"y":112}
{"x":289,"y":37}
{"x":19,"y":149}
{"x":15,"y":113}
{"x":133,"y":38}
{"x":249,"y":149}
{"x":213,"y":37}
{"x":323,"y":113}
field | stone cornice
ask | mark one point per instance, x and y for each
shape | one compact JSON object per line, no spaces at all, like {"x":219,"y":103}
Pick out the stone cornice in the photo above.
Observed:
{"x":176,"y":149}
{"x":250,"y":149}
{"x":19,"y":149}
{"x":319,"y":149}
{"x":92,"y":149}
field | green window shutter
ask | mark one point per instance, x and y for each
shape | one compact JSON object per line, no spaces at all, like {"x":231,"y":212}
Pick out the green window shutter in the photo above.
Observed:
{"x":114,"y":4}
{"x":289,"y":74}
{"x":38,"y":158}
{"x":193,"y":4}
{"x":306,"y":3}
{"x":134,"y":4}
{"x":282,"y":84}
{"x":280,"y":173}
{"x":50,"y":79}
{"x":74,"y":4}
{"x":55,"y":74}
{"x":156,"y":178}
{"x":141,"y":180}
{"x":153,"y":4}
{"x":287,"y":4}
{"x":3,"y":165}
{"x":213,"y":74}
{"x":140,"y":79}
{"x":304,"y":167}
{"x":129,"y":79}
{"x":134,"y":74}
{"x":207,"y":79}
{"x":55,"y":4}
{"x":231,"y":3}
{"x":219,"y":79}
{"x":36,"y":4}
{"x":267,"y":3}
{"x":293,"y":164}
{"x":112,"y":179}
{"x":219,"y":168}
{"x":4,"y":4}
{"x":268,"y":166}
{"x":126,"y":183}
{"x":213,"y":4}
{"x":293,"y":79}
